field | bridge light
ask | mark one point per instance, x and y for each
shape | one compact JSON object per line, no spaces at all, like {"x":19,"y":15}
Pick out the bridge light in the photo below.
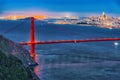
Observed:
{"x":75,"y":41}
{"x":116,"y":43}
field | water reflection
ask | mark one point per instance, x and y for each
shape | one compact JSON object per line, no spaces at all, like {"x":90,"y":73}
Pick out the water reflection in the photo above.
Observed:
{"x":37,"y":68}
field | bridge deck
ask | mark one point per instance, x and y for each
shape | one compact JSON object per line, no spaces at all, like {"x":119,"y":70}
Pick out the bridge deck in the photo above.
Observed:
{"x":71,"y":41}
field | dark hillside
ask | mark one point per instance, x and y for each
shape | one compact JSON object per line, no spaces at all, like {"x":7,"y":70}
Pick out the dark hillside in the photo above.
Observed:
{"x":15,"y":62}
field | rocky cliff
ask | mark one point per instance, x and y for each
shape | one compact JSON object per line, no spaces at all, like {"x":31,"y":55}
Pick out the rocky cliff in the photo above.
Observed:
{"x":15,"y":62}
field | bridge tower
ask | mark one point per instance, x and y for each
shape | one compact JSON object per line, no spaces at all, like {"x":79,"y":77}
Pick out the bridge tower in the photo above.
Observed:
{"x":32,"y":38}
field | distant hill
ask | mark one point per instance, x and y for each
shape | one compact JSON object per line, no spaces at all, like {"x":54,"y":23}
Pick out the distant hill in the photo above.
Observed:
{"x":27,"y":18}
{"x":15,"y":62}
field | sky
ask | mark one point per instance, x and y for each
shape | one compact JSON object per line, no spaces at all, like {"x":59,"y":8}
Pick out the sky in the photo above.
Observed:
{"x":54,"y":7}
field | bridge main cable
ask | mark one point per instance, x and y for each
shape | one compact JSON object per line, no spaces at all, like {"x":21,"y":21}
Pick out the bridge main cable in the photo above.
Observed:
{"x":14,"y":27}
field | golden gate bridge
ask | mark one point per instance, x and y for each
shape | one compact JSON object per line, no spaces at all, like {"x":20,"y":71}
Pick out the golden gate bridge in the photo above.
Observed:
{"x":32,"y":42}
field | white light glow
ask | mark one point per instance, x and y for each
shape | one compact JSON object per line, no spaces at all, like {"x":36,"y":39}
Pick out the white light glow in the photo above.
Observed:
{"x":116,"y":43}
{"x":110,"y":28}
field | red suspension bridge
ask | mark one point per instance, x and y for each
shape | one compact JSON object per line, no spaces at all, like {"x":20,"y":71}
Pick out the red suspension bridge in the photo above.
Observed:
{"x":32,"y":42}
